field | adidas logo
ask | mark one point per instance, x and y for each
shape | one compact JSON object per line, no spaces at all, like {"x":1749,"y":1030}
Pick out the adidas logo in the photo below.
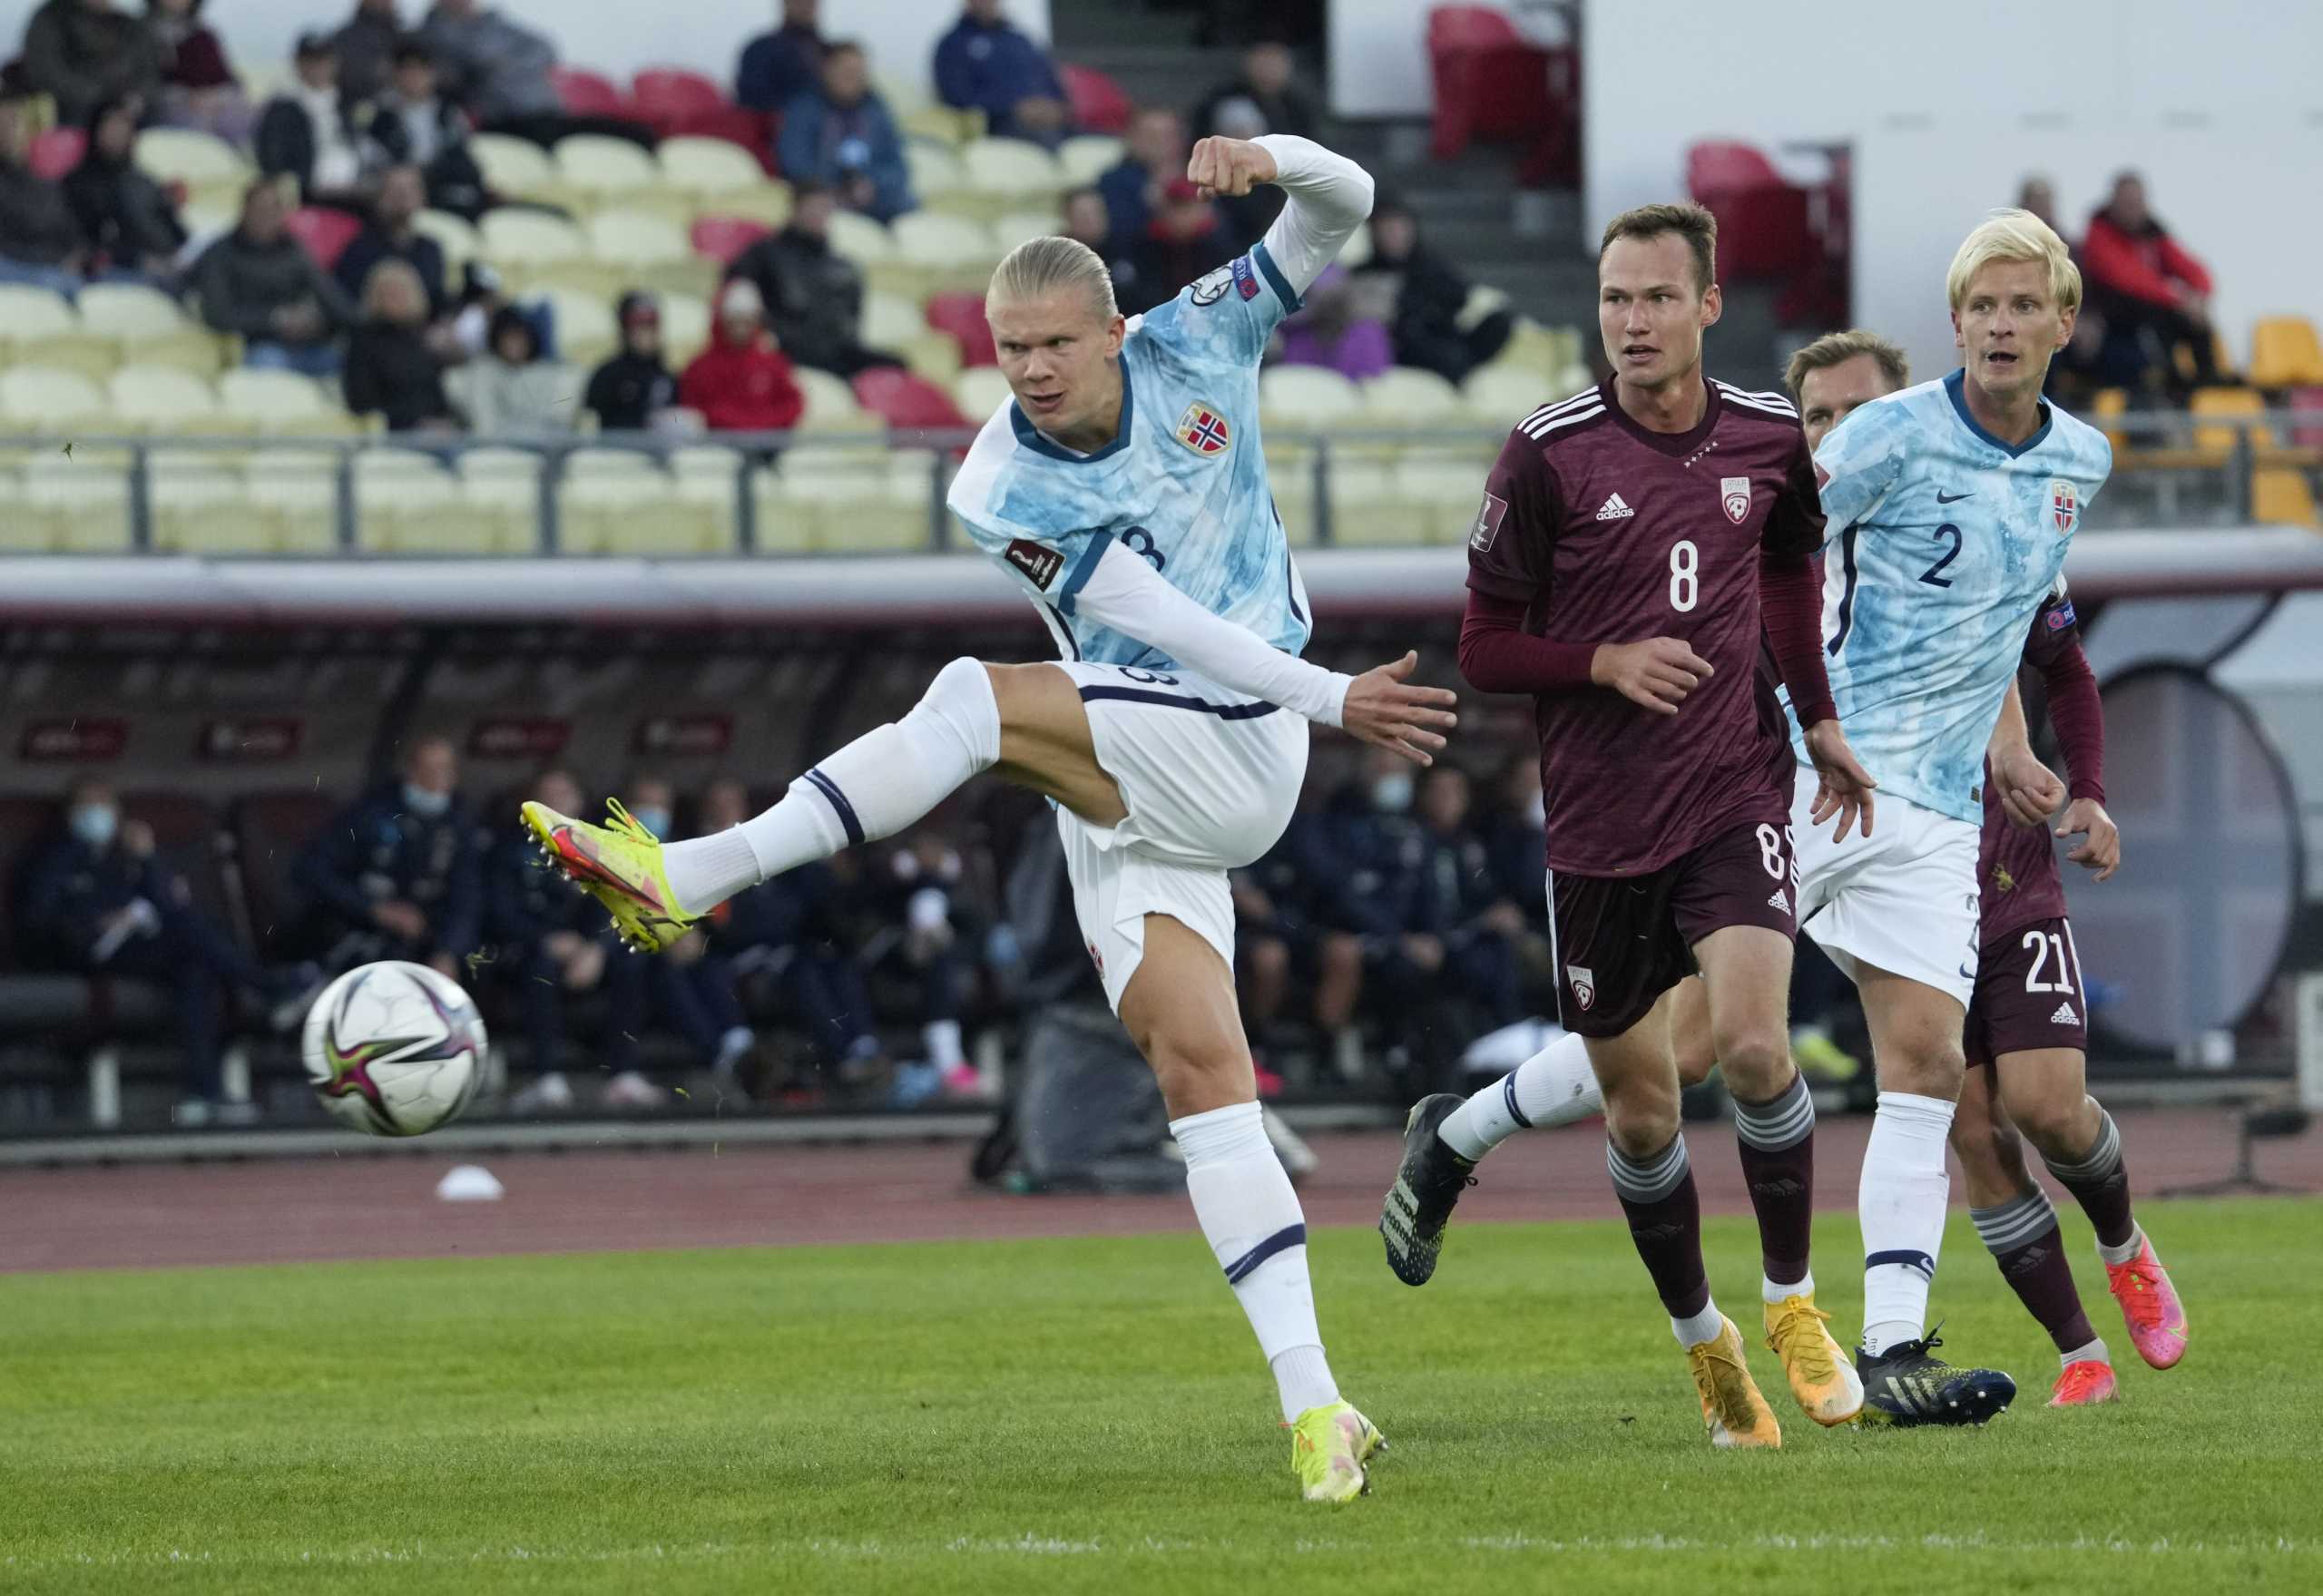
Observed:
{"x":1780,"y":902}
{"x":1614,"y":509}
{"x":2064,"y":1015}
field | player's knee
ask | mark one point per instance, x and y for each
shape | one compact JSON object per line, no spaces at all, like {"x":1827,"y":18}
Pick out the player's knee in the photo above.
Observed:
{"x":1641,"y":1117}
{"x":970,"y":697}
{"x":1757,"y":1063}
{"x":2049,"y":1120}
{"x":1928,"y":1065}
{"x":1196,"y":1073}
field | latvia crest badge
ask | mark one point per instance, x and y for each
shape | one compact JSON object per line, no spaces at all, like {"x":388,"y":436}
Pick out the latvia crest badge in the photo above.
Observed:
{"x":1734,"y":493}
{"x":1584,"y":984}
{"x":2064,"y":504}
{"x":1203,"y":430}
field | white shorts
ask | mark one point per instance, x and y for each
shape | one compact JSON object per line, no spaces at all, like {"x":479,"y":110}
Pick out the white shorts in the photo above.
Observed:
{"x":1210,"y":778}
{"x":1903,"y":900}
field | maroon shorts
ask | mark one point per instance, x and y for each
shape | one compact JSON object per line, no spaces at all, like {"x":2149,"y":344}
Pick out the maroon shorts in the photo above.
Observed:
{"x":1622,"y":941}
{"x":2028,"y":994}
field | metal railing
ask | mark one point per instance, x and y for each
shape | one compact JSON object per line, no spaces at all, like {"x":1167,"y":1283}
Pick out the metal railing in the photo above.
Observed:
{"x":2167,"y":451}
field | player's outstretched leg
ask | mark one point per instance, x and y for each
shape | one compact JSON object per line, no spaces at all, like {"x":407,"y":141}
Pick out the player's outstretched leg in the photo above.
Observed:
{"x":1446,"y":1134}
{"x":1179,"y":1008}
{"x":874,"y":787}
{"x":2046,"y":1094}
{"x":2015,"y":1220}
{"x":1915,"y":1044}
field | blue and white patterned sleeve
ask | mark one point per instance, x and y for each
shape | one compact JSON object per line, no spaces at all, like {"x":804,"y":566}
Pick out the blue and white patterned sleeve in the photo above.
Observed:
{"x":1860,"y":460}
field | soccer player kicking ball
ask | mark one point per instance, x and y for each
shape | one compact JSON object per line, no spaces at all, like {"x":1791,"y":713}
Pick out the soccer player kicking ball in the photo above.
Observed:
{"x":1125,"y":489}
{"x":1635,"y":544}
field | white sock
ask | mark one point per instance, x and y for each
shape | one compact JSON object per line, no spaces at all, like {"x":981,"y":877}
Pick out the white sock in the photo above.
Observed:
{"x":2118,"y":1256}
{"x":941,"y":1038}
{"x":1774,"y":1291}
{"x":1555,"y":1087}
{"x":2094,"y":1353}
{"x":873,"y":788}
{"x":1900,"y":1204}
{"x":1253,"y":1220}
{"x":1704,"y":1326}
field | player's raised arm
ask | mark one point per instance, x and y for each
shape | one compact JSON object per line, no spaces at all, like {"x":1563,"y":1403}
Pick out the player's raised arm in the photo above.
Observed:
{"x":1330,"y":196}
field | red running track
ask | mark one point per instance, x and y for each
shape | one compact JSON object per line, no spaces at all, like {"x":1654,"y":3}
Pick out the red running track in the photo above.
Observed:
{"x":295,"y":1210}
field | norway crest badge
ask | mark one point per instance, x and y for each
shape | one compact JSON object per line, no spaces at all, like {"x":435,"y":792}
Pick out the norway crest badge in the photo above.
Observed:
{"x":2064,"y":504}
{"x":1203,"y":430}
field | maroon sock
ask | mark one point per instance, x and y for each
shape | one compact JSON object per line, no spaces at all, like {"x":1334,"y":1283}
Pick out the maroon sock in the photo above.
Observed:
{"x":1665,"y":1217}
{"x":1778,"y":1145}
{"x":2101,"y":1184}
{"x":2024,"y":1238}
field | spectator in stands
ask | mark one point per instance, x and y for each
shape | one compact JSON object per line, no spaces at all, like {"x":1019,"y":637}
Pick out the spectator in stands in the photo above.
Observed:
{"x":399,"y":874}
{"x":1431,"y":328}
{"x":2039,"y":196}
{"x":1515,"y":836}
{"x":741,"y":382}
{"x":1329,"y":331}
{"x":690,"y":986}
{"x":813,"y":294}
{"x":1133,"y":189}
{"x":1186,"y":238}
{"x":82,"y":53}
{"x":366,"y":44}
{"x":1280,"y":909}
{"x":1370,"y":862}
{"x":987,"y":64}
{"x":1263,"y":100}
{"x":497,"y":69}
{"x":259,"y":283}
{"x":2142,"y":282}
{"x":1461,"y":903}
{"x":41,"y":244}
{"x":778,"y":67}
{"x":313,"y":134}
{"x":98,"y":902}
{"x":923,"y":938}
{"x":394,"y":368}
{"x":548,"y":944}
{"x":632,"y":388}
{"x":841,"y":133}
{"x":128,"y":218}
{"x":415,"y":123}
{"x":511,"y":390}
{"x":393,"y":234}
{"x":199,"y":88}
{"x":1088,"y":221}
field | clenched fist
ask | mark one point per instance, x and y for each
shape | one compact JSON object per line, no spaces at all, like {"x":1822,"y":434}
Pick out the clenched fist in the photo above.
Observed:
{"x":1231,"y":167}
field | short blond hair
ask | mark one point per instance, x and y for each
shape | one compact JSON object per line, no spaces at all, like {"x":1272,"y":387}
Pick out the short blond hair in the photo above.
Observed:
{"x":2013,"y":234}
{"x":1689,"y":221}
{"x":1834,"y":349}
{"x":1046,"y":265}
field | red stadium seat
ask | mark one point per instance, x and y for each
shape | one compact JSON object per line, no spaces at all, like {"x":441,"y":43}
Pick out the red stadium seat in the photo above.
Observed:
{"x":962,"y":316}
{"x":324,"y":231}
{"x":2307,"y":423}
{"x":1492,"y":84}
{"x":1100,"y":106}
{"x":721,"y":238}
{"x":588,"y":94}
{"x":1765,"y":230}
{"x":665,"y":96}
{"x":57,"y":151}
{"x":906,"y":401}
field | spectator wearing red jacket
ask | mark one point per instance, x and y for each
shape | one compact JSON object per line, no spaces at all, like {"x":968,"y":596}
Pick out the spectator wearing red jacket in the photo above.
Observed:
{"x":2142,"y":280}
{"x":741,"y":382}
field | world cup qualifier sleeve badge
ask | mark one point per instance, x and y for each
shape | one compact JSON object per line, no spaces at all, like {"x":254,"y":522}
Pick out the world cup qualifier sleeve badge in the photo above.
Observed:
{"x":2064,"y":505}
{"x":1204,"y":430}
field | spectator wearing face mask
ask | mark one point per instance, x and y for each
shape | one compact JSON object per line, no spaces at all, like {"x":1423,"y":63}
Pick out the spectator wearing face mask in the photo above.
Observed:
{"x":1461,"y":905}
{"x":101,"y":904}
{"x":549,"y":944}
{"x":398,"y":874}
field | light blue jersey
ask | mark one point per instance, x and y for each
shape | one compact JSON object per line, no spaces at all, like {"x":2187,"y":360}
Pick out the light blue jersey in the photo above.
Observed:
{"x":1184,"y":484}
{"x":1943,"y":542}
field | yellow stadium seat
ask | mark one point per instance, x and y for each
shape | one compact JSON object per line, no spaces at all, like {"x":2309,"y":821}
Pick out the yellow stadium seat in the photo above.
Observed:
{"x":2285,"y":353}
{"x":28,"y":313}
{"x":515,"y":168}
{"x":455,"y":235}
{"x":1012,"y":170}
{"x":710,"y":169}
{"x":888,"y":320}
{"x":940,"y":252}
{"x":941,"y":123}
{"x":769,"y":203}
{"x":708,"y":477}
{"x":860,"y":240}
{"x":1367,"y":508}
{"x":167,"y":399}
{"x":902,"y":96}
{"x":831,"y":404}
{"x":407,"y":503}
{"x":47,"y":401}
{"x":585,"y":329}
{"x":979,"y":391}
{"x":514,"y":238}
{"x":685,"y":328}
{"x":200,"y":506}
{"x":1088,"y":157}
{"x":502,"y":488}
{"x":598,"y":164}
{"x":935,"y":171}
{"x":1305,"y":398}
{"x":636,"y":239}
{"x":297,"y":491}
{"x":854,"y":501}
{"x":74,"y":504}
{"x":129,"y":310}
{"x":198,"y":159}
{"x":282,"y":403}
{"x":1015,"y":227}
{"x":2215,"y":442}
{"x":618,"y":501}
{"x":784,"y":525}
{"x":1502,"y":395}
{"x":1409,"y":396}
{"x":38,"y":327}
{"x":1445,"y":495}
{"x":2283,"y":496}
{"x":20,"y":530}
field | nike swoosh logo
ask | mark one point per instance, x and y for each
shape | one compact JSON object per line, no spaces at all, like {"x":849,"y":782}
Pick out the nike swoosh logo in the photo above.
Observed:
{"x":1966,"y":974}
{"x":1944,"y":498}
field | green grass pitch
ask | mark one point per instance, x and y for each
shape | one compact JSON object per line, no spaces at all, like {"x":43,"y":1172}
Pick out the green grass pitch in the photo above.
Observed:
{"x":1091,"y":1415}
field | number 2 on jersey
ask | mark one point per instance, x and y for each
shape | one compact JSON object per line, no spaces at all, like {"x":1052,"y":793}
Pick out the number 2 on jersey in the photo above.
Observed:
{"x":1933,"y":575}
{"x":1685,"y":581}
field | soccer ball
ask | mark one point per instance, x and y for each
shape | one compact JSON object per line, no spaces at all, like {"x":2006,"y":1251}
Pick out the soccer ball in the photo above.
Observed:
{"x":393,"y":1049}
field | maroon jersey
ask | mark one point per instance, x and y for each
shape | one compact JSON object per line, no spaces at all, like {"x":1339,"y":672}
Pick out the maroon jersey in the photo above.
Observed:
{"x":1609,"y":533}
{"x":2016,"y":866}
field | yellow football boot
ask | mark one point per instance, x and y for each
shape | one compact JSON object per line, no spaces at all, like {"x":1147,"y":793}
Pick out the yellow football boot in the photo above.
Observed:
{"x":1732,"y":1410}
{"x":1329,"y":1447}
{"x":1821,"y":1375}
{"x":618,"y":864}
